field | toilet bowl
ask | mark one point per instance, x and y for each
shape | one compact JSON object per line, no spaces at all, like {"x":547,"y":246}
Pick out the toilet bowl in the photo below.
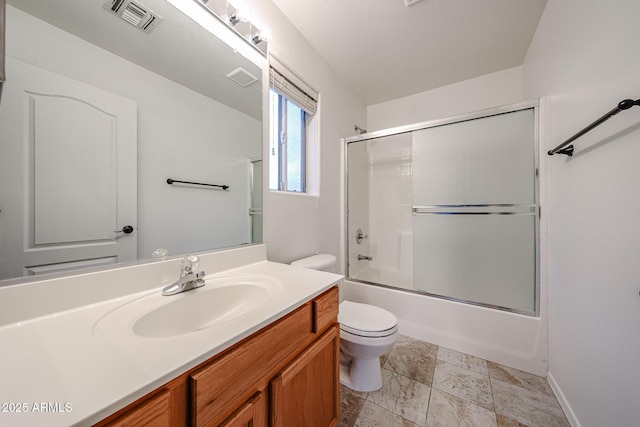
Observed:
{"x":366,"y":333}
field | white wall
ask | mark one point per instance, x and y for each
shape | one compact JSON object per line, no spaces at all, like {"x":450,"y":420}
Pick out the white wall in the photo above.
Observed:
{"x":299,"y":225}
{"x":584,"y":55}
{"x":181,"y":135}
{"x":491,"y":90}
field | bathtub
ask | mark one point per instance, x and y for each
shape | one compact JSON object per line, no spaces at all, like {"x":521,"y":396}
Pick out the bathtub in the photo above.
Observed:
{"x":511,"y":339}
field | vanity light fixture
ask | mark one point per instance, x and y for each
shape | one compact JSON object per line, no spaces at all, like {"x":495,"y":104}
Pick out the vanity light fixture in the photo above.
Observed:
{"x":233,"y":19}
{"x":236,"y":21}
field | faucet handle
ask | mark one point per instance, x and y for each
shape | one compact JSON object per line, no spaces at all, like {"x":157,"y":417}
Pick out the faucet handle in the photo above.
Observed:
{"x":189,"y":264}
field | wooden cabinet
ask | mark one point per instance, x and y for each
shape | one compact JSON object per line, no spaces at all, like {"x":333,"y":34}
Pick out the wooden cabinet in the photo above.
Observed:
{"x":154,"y":411}
{"x":306,"y":392}
{"x":218,"y":387}
{"x":251,"y":414}
{"x":285,"y":374}
{"x":165,"y":406}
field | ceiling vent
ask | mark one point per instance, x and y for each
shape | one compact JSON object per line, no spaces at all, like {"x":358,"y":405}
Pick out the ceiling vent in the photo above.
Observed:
{"x":242,"y":77}
{"x":134,"y":13}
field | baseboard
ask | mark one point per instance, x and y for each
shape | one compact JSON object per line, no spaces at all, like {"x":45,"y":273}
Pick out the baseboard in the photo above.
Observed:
{"x":568,"y":412}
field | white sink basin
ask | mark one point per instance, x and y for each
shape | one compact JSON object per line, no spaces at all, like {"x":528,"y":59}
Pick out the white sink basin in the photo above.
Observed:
{"x":221,"y":300}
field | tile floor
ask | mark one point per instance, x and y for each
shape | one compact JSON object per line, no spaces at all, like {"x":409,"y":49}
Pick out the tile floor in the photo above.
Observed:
{"x":426,"y":385}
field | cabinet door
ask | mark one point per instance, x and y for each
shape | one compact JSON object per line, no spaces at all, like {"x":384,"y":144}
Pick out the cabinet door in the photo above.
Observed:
{"x":252,"y":414}
{"x":306,"y":393}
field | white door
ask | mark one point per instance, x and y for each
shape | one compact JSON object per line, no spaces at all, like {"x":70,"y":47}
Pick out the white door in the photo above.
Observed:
{"x":68,"y":173}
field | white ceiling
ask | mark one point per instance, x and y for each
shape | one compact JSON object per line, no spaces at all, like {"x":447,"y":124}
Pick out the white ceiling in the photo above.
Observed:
{"x":385,"y":50}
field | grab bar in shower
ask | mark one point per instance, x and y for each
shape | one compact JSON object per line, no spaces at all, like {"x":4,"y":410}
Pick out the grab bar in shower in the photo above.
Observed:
{"x":622,"y":105}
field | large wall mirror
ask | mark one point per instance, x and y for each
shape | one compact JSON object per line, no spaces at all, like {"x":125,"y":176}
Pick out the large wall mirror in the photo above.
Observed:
{"x":96,"y":115}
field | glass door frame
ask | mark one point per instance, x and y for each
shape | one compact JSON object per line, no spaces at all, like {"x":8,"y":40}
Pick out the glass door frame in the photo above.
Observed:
{"x":535,"y":105}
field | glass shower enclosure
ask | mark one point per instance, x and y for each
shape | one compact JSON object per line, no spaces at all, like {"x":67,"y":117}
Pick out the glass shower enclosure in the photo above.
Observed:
{"x":448,"y":208}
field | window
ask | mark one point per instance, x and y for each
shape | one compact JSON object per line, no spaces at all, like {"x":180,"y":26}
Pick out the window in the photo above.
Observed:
{"x":291,"y":143}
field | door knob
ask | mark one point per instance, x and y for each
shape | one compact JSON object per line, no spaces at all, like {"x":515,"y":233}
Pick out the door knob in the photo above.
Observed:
{"x":127,"y":229}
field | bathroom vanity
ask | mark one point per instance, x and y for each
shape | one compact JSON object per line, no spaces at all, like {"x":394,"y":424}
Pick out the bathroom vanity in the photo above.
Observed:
{"x":107,"y":349}
{"x":285,"y":374}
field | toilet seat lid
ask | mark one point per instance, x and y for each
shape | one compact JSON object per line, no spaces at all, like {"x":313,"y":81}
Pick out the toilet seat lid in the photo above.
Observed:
{"x":366,"y":319}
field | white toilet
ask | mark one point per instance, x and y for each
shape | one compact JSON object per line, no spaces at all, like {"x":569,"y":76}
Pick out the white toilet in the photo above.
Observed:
{"x":366,"y":333}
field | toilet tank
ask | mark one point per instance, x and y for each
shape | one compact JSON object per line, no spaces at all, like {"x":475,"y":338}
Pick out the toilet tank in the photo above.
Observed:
{"x":323,"y":262}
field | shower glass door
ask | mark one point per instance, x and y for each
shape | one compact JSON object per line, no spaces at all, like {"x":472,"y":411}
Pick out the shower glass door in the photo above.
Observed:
{"x":475,"y":211}
{"x":379,"y":220}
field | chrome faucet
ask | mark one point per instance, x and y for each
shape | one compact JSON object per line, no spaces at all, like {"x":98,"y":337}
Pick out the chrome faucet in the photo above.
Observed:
{"x":189,"y":277}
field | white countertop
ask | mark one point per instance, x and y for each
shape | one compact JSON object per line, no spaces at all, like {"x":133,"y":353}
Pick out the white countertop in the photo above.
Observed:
{"x":81,"y":376}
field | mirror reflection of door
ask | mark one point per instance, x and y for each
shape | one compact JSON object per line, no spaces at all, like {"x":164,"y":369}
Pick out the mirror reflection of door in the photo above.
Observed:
{"x":71,"y":149}
{"x":256,"y":201}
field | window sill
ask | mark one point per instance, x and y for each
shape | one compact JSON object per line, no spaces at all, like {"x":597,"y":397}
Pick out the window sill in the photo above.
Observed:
{"x":293,"y":193}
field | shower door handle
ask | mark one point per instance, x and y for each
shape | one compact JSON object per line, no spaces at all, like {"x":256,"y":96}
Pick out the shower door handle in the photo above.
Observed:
{"x":364,"y":258}
{"x":488,"y":209}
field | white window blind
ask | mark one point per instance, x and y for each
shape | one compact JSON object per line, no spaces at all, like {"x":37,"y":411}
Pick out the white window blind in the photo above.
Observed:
{"x":290,"y":86}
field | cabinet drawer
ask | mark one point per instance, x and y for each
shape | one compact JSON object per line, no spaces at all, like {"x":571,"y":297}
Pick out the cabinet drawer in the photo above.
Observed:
{"x":325,"y":310}
{"x":220,"y":387}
